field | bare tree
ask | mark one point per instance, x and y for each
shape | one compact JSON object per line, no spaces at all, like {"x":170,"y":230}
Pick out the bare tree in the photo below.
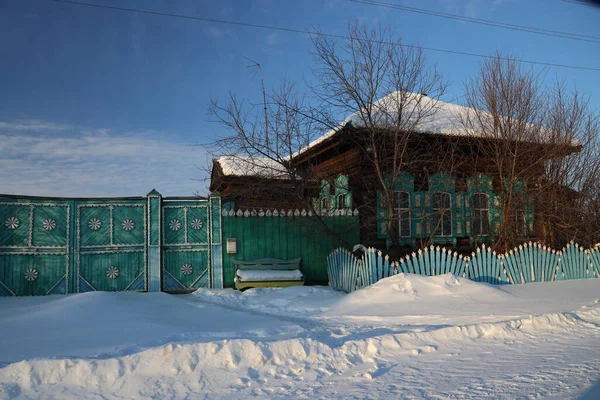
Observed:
{"x":389,"y":90}
{"x":372,"y":64}
{"x":527,"y":135}
{"x":264,"y":139}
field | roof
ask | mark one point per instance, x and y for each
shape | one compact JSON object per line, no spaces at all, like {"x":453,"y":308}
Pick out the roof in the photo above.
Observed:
{"x":442,"y":118}
{"x":251,"y":166}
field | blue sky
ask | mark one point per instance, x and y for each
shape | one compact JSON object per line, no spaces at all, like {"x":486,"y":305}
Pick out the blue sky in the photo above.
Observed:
{"x":97,"y":102}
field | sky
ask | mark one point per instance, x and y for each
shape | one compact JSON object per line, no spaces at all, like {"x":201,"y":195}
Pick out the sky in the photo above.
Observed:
{"x":100,"y":102}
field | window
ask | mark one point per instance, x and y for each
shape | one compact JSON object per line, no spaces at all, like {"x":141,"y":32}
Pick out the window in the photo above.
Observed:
{"x":520,"y":220}
{"x":442,"y":214}
{"x":402,"y":209}
{"x":341,"y":201}
{"x":481,"y":214}
{"x":324,"y":204}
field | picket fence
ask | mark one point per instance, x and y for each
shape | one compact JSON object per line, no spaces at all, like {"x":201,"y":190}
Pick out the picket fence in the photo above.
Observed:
{"x":527,"y":263}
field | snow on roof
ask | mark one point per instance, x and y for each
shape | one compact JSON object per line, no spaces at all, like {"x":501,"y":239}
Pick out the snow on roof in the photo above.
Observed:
{"x":251,"y":166}
{"x":425,"y":114}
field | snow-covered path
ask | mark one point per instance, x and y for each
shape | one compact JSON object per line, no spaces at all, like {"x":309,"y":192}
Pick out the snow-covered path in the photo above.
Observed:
{"x":405,"y":337}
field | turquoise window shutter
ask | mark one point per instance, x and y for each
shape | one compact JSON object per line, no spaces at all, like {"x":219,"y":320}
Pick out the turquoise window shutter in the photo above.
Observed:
{"x":382,"y":220}
{"x":458,"y":216}
{"x":495,"y":214}
{"x":417,"y":209}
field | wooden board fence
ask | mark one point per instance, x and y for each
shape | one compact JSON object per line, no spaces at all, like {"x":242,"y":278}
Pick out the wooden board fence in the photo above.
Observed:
{"x":527,"y":263}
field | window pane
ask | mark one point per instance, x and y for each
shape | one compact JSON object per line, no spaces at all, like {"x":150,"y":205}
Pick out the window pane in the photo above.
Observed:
{"x":404,"y":223}
{"x":402,"y":200}
{"x":341,"y":201}
{"x":447,"y":225}
{"x":441,"y":200}
{"x":476,"y":222}
{"x":480,"y":201}
{"x":476,"y":201}
{"x":485,"y":222}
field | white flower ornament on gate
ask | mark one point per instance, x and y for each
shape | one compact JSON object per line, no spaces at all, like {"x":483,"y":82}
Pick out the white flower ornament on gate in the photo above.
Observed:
{"x":175,"y":225}
{"x":112,"y":272}
{"x":197,"y":224}
{"x":49,"y":224}
{"x":12,"y":223}
{"x":128,"y":225}
{"x":31,"y":274}
{"x":94,"y":224}
{"x":186,"y":269}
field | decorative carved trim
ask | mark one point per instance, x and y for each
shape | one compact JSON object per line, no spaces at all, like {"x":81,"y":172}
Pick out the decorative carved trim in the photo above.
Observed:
{"x":289,"y":213}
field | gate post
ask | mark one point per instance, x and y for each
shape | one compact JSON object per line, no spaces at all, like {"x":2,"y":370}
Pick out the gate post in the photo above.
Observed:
{"x":154,"y":240}
{"x":216,"y":251}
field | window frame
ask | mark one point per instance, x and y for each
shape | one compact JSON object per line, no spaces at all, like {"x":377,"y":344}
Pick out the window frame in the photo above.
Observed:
{"x":398,"y":211}
{"x":441,"y":213}
{"x":479,"y":211}
{"x":324,"y":201}
{"x":337,"y":199}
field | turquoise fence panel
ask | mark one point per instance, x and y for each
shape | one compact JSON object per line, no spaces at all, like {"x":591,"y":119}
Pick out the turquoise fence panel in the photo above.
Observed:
{"x":35,"y":251}
{"x":111,"y":245}
{"x":62,"y":246}
{"x":186,"y":242}
{"x":527,"y":263}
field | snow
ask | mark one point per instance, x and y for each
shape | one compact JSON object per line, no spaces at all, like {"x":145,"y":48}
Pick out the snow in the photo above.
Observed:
{"x":407,"y":336}
{"x":268,"y":275}
{"x":439,"y":117}
{"x":251,"y":166}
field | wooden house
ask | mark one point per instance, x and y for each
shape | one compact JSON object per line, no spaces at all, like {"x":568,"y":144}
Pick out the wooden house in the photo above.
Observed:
{"x":448,"y":194}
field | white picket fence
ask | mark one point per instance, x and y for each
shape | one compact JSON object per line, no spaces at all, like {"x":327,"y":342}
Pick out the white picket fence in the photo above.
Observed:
{"x":527,"y":263}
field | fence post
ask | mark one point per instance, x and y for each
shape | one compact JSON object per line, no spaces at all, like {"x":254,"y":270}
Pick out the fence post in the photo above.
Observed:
{"x":154,"y":208}
{"x":216,"y":244}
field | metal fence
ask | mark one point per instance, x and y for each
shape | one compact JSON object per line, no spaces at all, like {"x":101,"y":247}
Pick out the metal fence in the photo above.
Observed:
{"x":527,"y":263}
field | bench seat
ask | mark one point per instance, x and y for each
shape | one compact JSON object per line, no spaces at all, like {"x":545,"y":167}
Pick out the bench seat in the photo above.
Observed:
{"x":267,"y":272}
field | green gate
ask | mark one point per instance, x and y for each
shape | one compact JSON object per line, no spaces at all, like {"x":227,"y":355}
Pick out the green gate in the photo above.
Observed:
{"x":111,"y":246}
{"x":34,"y":248}
{"x":151,"y":243}
{"x":186,"y":245}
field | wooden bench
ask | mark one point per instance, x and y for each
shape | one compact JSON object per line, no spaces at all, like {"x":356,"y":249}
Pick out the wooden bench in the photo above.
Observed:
{"x":267,"y":272}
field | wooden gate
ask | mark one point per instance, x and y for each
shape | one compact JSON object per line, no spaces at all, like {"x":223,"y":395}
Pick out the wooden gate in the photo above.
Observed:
{"x":111,"y":246}
{"x":34,"y":248}
{"x":151,"y":243}
{"x":186,"y":245}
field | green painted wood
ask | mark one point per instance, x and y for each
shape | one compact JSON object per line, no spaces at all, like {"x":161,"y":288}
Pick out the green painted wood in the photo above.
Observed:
{"x":187,"y":238}
{"x":286,"y":237}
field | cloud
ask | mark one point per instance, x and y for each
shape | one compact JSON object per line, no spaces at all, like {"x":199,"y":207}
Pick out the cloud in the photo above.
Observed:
{"x":76,"y":162}
{"x":32,"y":126}
{"x":216,"y":32}
{"x":273,"y":38}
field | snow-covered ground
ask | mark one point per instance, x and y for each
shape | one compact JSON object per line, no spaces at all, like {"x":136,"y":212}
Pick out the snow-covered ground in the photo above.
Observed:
{"x":405,"y":337}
